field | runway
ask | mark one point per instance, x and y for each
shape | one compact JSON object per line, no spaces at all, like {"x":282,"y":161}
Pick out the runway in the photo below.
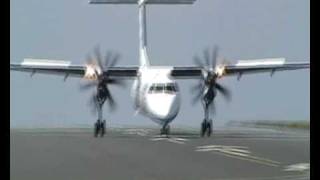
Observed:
{"x":140,"y":153}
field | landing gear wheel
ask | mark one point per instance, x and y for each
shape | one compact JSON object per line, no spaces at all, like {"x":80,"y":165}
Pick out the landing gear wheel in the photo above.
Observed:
{"x":103,"y":128}
{"x":165,"y":130}
{"x":206,"y":128}
{"x":203,"y":128}
{"x":209,"y":128}
{"x":162,"y":131}
{"x":96,"y":129}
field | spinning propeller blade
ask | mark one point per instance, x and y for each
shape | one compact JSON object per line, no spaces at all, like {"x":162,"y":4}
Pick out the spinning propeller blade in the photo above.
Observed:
{"x":206,"y":87}
{"x":101,"y":83}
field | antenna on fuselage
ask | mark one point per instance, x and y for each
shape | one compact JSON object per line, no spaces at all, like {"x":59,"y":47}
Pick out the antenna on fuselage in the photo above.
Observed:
{"x":143,"y":56}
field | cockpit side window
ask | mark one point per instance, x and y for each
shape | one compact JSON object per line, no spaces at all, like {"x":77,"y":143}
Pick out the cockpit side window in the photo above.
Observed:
{"x":151,"y":89}
{"x":170,"y":88}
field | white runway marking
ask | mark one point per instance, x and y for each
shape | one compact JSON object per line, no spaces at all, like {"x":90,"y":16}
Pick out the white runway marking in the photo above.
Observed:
{"x":140,"y":132}
{"x":298,"y":167}
{"x":169,"y":139}
{"x":287,"y":177}
{"x":239,"y":152}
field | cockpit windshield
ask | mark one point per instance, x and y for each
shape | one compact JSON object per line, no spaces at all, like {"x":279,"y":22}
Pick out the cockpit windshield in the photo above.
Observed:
{"x":163,"y":88}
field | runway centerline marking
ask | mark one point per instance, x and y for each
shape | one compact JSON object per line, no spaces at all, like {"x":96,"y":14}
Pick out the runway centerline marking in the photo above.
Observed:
{"x":169,"y":139}
{"x":239,"y":152}
{"x":140,"y":132}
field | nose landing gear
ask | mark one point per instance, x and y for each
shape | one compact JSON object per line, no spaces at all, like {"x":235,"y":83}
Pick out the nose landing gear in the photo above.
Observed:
{"x":165,"y":130}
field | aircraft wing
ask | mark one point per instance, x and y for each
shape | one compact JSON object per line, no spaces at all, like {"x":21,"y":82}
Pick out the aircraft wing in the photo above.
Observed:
{"x":58,"y":67}
{"x":241,"y":67}
{"x":180,"y":72}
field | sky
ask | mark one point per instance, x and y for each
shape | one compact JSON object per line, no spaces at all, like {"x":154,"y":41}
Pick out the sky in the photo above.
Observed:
{"x":246,"y":29}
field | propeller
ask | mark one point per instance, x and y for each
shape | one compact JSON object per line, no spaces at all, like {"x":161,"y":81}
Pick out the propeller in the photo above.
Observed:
{"x":97,"y":75}
{"x":207,"y":88}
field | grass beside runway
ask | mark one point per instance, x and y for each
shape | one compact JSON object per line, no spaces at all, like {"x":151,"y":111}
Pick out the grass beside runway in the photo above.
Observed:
{"x":298,"y":125}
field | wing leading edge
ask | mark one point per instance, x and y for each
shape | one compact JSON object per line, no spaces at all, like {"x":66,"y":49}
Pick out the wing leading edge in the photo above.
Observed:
{"x":179,"y":72}
{"x":65,"y":68}
{"x":242,"y":67}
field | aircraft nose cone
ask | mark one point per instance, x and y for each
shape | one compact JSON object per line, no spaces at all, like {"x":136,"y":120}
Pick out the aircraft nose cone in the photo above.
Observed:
{"x":166,"y":107}
{"x":163,"y":106}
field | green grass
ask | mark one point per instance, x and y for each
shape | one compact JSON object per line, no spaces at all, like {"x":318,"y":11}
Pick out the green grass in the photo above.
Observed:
{"x":286,"y":124}
{"x":304,"y":125}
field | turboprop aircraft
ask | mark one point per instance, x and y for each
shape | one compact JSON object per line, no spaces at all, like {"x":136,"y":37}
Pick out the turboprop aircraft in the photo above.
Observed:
{"x":155,"y":90}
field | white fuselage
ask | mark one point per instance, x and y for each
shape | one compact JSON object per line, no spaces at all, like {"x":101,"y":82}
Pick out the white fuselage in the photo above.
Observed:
{"x":156,"y":95}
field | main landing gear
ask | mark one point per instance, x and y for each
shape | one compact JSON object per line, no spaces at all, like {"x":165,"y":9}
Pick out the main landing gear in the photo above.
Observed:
{"x":100,"y":125}
{"x":99,"y":128}
{"x":206,"y":125}
{"x":206,"y":128}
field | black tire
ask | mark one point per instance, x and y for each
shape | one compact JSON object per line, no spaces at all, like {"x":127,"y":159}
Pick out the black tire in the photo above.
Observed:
{"x":103,"y":128}
{"x":209,"y":128}
{"x":168,"y":130}
{"x":162,"y":131}
{"x":96,"y":129}
{"x":203,"y":129}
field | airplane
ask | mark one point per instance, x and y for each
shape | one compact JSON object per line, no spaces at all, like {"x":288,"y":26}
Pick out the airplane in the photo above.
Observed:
{"x":155,"y":89}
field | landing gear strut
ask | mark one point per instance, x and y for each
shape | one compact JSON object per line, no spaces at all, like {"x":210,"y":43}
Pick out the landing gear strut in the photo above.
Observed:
{"x":100,"y":125}
{"x":206,"y":125}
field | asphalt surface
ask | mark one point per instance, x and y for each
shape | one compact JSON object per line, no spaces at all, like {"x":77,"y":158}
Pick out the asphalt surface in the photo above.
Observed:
{"x":140,"y":153}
